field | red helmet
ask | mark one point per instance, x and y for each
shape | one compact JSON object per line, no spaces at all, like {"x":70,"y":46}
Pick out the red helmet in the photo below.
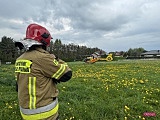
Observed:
{"x":38,"y":33}
{"x":35,"y":35}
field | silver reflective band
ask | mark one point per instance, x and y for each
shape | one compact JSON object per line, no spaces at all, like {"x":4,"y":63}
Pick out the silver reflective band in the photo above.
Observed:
{"x":41,"y":109}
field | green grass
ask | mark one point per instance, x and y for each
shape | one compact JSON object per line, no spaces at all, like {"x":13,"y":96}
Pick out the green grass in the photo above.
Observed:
{"x":121,"y":90}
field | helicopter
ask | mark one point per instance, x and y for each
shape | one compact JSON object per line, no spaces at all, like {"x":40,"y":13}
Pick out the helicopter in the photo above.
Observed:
{"x":97,"y":56}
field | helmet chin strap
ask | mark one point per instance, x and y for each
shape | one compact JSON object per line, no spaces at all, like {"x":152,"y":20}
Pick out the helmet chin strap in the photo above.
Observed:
{"x":44,"y":42}
{"x":44,"y":47}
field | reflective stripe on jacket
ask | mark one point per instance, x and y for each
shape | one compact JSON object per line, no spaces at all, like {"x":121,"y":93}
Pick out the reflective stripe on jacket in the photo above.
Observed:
{"x":40,"y":113}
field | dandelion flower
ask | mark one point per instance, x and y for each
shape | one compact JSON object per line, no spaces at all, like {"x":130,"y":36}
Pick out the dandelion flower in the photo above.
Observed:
{"x":141,"y":81}
{"x":125,"y":118}
{"x":126,"y":107}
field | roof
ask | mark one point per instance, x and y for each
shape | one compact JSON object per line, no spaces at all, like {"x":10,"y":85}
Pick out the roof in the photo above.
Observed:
{"x":100,"y":52}
{"x":152,"y":52}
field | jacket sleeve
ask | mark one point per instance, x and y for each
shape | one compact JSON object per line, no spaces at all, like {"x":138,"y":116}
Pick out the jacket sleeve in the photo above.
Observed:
{"x":55,"y":69}
{"x":67,"y":76}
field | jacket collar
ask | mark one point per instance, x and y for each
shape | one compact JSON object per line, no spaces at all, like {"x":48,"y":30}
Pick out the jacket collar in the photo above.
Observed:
{"x":42,"y":50}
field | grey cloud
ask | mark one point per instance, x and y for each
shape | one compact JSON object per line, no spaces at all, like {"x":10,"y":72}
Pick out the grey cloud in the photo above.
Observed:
{"x":108,"y":24}
{"x":94,"y":14}
{"x":26,"y":10}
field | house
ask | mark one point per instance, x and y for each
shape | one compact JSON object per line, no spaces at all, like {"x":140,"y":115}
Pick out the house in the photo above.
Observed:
{"x":98,"y":54}
{"x":152,"y":53}
{"x":119,"y":54}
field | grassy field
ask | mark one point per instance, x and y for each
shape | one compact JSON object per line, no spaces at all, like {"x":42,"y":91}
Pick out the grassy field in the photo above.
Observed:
{"x":121,"y":90}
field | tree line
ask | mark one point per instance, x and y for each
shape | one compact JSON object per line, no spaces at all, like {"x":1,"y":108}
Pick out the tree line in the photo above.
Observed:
{"x":70,"y":52}
{"x":67,"y":52}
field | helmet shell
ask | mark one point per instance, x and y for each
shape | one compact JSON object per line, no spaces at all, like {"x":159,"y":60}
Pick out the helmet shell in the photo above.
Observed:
{"x":38,"y":33}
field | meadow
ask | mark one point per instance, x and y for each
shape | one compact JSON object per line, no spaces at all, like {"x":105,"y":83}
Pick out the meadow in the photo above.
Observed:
{"x":117,"y":90}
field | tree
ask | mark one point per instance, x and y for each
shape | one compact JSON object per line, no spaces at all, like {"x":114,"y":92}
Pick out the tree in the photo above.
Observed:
{"x":57,"y":46}
{"x":7,"y":49}
{"x":135,"y":52}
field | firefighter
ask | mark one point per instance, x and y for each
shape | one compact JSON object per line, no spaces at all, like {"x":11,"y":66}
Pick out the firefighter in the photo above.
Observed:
{"x":37,"y":73}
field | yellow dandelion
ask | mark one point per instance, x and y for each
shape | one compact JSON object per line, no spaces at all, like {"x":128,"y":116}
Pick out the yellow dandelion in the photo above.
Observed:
{"x":10,"y":107}
{"x":141,"y":81}
{"x":126,"y":107}
{"x":125,"y":118}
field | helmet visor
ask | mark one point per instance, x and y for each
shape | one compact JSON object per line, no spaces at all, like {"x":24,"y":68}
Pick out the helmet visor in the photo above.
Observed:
{"x":26,"y":43}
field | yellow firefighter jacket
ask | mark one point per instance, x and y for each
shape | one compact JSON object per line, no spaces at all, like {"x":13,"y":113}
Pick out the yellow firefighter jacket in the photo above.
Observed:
{"x":36,"y":90}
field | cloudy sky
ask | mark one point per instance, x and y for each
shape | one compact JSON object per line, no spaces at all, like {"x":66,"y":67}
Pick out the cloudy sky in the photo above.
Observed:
{"x":111,"y":25}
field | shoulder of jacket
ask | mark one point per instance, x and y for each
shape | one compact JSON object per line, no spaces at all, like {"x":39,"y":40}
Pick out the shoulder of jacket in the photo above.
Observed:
{"x":45,"y":54}
{"x":42,"y":50}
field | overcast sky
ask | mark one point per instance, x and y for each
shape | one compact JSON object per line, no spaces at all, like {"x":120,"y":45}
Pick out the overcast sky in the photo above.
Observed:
{"x":111,"y":25}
